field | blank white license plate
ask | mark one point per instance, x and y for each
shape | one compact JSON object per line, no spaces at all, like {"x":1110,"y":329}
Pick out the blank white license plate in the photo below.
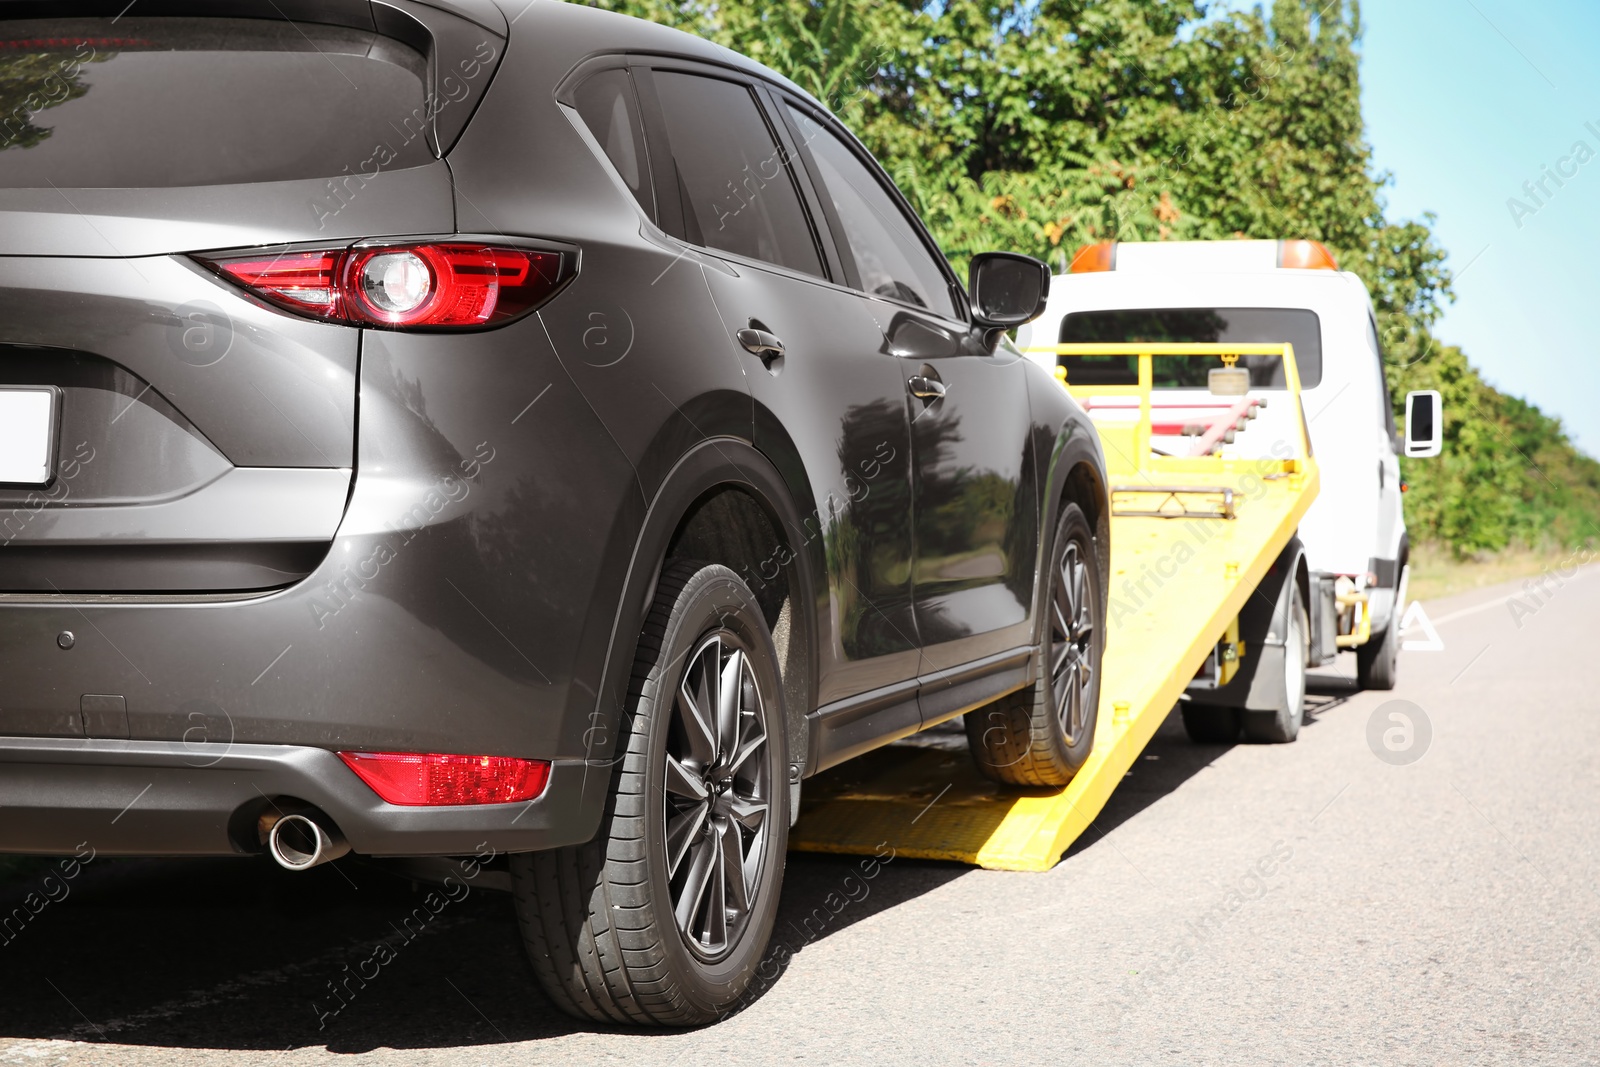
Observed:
{"x":27,"y":435}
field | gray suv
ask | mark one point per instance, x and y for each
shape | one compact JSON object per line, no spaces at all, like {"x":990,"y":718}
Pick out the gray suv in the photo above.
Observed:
{"x":430,"y":429}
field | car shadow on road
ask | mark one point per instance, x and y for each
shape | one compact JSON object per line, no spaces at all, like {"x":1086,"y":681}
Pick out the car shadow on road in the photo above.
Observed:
{"x":1328,"y":689}
{"x":1171,"y":759}
{"x":1167,"y":762}
{"x":240,"y":955}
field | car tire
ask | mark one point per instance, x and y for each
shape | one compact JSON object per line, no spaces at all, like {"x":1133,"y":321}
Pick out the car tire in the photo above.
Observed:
{"x":1042,"y":734}
{"x":663,"y":918}
{"x":1378,"y":661}
{"x":1283,"y":725}
{"x":1210,"y":725}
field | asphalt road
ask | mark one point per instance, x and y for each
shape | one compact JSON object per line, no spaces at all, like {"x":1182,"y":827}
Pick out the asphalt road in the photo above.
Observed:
{"x":1303,"y":904}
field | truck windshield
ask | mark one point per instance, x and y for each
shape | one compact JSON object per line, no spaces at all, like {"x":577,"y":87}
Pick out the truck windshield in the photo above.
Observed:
{"x":1295,"y":326}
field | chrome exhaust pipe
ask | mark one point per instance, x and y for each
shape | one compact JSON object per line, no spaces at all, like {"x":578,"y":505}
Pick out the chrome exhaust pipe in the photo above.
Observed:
{"x":300,"y":842}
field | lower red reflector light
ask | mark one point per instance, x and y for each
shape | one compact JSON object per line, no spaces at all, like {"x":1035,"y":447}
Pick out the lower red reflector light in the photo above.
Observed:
{"x":426,"y":779}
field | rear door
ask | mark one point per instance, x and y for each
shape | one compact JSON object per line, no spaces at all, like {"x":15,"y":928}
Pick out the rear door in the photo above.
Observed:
{"x":726,"y":183}
{"x":974,"y":487}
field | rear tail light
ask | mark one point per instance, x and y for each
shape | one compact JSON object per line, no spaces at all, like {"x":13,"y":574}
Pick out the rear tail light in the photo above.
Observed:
{"x":1091,"y":259}
{"x":417,"y":779}
{"x":440,"y":284}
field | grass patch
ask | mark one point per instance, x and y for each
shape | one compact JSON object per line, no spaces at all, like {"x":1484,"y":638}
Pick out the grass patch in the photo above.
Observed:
{"x":1436,"y":572}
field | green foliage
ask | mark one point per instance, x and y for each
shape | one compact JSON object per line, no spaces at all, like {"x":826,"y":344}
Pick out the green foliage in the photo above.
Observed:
{"x":1040,"y":125}
{"x":1508,"y":475}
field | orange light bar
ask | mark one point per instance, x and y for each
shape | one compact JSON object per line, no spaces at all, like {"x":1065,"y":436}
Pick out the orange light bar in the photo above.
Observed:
{"x":1305,"y":255}
{"x":1096,"y":257}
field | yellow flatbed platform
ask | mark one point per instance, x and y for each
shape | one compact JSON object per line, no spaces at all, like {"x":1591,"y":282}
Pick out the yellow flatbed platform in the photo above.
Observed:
{"x":1177,"y":584}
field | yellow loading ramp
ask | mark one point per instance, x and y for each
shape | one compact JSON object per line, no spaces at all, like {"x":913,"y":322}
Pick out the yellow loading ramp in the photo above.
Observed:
{"x":1196,"y":574}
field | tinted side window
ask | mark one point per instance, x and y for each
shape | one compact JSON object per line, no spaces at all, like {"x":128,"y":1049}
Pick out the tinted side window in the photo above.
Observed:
{"x":733,"y":182}
{"x":611,"y":111}
{"x":889,"y":254}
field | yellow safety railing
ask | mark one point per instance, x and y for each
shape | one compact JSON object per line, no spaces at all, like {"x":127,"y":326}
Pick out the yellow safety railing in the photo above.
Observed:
{"x":1147,"y":352}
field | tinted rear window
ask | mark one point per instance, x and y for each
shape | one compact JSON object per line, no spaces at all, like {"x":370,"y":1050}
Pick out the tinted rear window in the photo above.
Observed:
{"x":608,"y":106}
{"x":160,"y":102}
{"x":733,"y":182}
{"x":1294,"y":326}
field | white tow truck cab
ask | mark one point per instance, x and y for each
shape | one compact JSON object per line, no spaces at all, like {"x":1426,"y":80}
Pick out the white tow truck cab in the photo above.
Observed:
{"x":1354,"y":537}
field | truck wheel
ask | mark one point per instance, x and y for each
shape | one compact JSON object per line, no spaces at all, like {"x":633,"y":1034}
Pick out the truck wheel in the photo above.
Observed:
{"x":664,"y":916}
{"x":1041,"y":735}
{"x":1210,"y":725}
{"x":1283,"y":725}
{"x":1378,"y":661}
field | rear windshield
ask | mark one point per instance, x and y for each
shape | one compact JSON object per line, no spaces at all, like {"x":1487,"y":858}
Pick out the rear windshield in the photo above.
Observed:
{"x":1294,"y":326}
{"x":160,"y":102}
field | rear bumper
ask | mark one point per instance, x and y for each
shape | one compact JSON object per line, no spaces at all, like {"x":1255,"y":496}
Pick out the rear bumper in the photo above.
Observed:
{"x":467,"y":604}
{"x":163,"y":798}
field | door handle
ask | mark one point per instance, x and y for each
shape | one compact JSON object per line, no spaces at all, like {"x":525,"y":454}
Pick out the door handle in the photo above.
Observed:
{"x":760,"y":343}
{"x":925,"y":387}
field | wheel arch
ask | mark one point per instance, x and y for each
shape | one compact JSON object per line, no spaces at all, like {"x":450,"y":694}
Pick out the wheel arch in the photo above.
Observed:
{"x":1302,"y":575}
{"x":1075,"y":474}
{"x":1257,"y":685}
{"x":725,"y":502}
{"x":1086,"y":487}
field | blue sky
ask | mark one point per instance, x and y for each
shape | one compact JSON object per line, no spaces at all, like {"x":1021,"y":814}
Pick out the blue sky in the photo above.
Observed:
{"x":1466,"y":100}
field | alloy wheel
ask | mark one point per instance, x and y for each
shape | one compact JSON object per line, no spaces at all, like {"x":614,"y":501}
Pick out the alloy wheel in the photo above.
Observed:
{"x":717,"y":795}
{"x":1071,"y":642}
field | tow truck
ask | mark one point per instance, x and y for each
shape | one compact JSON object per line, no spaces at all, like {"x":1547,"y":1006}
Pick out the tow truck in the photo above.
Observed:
{"x":1184,"y":354}
{"x":1291,"y":290}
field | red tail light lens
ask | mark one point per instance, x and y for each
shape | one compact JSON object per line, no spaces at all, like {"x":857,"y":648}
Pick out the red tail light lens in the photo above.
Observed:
{"x":448,"y":284}
{"x":417,"y":779}
{"x":299,"y":281}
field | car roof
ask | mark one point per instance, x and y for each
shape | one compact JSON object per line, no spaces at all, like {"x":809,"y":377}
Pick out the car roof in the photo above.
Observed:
{"x":578,"y":32}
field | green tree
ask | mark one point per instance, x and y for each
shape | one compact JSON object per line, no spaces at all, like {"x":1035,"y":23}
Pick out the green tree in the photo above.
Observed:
{"x":1040,"y":125}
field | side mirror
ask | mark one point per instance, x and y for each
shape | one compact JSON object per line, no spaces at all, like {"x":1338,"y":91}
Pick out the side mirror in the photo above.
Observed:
{"x":1007,"y":289}
{"x":1424,"y":424}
